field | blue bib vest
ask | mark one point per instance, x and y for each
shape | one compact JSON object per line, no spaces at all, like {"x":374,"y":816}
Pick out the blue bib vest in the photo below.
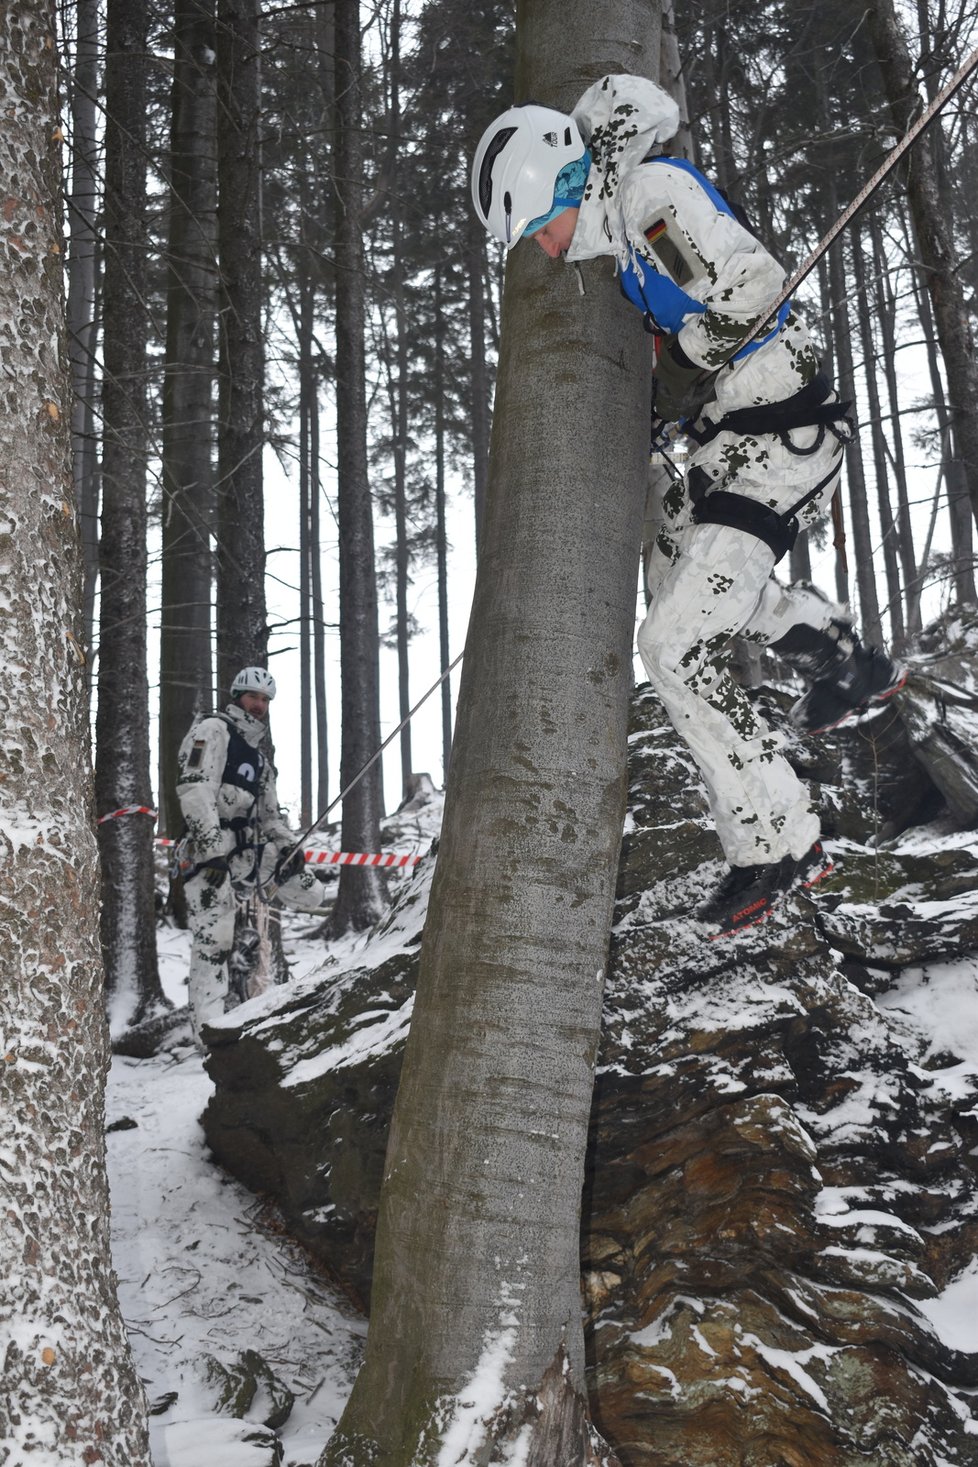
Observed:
{"x":665,"y":304}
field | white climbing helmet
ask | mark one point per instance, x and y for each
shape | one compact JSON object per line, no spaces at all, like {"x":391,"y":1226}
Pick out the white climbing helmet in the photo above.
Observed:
{"x":253,"y":680}
{"x":516,"y":166}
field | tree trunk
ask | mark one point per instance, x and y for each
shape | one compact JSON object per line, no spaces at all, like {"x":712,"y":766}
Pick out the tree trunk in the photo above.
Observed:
{"x":475,"y":1350}
{"x":960,"y":521}
{"x":69,"y":1392}
{"x":122,"y":775}
{"x":186,"y":667}
{"x":82,"y":290}
{"x":242,"y":631}
{"x":886,"y":314}
{"x":479,"y":390}
{"x":361,"y":897}
{"x":935,"y":241}
{"x":862,"y":536}
{"x":890,"y":546}
{"x":441,"y":531}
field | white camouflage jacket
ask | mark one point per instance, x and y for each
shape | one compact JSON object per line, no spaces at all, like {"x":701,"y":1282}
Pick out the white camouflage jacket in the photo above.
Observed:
{"x":706,"y":252}
{"x":208,"y":804}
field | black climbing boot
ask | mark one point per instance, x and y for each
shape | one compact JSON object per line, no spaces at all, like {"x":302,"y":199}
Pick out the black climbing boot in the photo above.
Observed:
{"x":746,"y":894}
{"x":846,"y":677}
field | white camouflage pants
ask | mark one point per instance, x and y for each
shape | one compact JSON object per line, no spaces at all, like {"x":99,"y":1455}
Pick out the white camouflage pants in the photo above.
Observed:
{"x":211,"y":911}
{"x":708,"y":583}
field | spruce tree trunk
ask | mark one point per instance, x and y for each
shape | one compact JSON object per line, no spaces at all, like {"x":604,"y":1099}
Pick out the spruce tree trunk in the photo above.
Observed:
{"x":122,"y":776}
{"x":886,"y":314}
{"x":68,"y":1389}
{"x":186,"y":665}
{"x":242,"y":632}
{"x":935,"y":241}
{"x":361,"y":897}
{"x":890,"y":545}
{"x":862,"y":535}
{"x":475,"y":1351}
{"x":960,"y":522}
{"x":82,"y":291}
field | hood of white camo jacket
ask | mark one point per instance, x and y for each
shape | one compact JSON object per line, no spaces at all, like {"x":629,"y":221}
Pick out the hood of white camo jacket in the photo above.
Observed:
{"x":252,"y":730}
{"x":622,"y":119}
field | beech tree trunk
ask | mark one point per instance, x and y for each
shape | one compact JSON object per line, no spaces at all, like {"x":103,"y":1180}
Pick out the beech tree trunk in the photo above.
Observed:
{"x":475,"y":1351}
{"x":68,"y":1390}
{"x":122,"y":777}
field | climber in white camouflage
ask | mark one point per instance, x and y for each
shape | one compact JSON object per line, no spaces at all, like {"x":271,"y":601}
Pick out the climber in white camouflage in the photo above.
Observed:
{"x":766,"y":436}
{"x":235,"y":837}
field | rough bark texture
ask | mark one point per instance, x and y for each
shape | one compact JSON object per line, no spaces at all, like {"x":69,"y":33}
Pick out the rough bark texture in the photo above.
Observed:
{"x":186,"y":671}
{"x":935,"y":242}
{"x":122,"y":777}
{"x":242,"y":632}
{"x":82,"y":333}
{"x":69,"y":1393}
{"x":361,"y":897}
{"x":780,"y":1174}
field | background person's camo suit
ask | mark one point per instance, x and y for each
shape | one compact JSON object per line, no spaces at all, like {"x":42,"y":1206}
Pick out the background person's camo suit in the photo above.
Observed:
{"x":230,"y":804}
{"x":766,"y":438}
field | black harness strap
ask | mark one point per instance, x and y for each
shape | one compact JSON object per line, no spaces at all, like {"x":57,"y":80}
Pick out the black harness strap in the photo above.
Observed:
{"x":806,"y":409}
{"x":778,"y":532}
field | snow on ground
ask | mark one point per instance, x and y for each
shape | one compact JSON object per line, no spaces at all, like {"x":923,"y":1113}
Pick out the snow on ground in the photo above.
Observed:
{"x":201,"y":1272}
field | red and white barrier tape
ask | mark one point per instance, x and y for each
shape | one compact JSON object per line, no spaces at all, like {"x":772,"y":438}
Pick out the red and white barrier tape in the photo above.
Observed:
{"x":128,"y":810}
{"x":342,"y":858}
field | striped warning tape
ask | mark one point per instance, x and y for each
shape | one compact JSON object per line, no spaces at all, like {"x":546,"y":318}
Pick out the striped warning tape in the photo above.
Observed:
{"x":128,"y":810}
{"x":313,"y":858}
{"x":344,"y":858}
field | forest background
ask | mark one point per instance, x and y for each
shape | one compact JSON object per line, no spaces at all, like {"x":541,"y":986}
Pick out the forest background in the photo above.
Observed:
{"x":284,"y":319}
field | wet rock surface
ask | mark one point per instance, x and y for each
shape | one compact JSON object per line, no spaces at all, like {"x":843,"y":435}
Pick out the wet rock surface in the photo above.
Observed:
{"x":781,"y":1208}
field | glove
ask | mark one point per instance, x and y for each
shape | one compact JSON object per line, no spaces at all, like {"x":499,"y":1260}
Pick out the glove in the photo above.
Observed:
{"x":661,"y":436}
{"x":290,"y":862}
{"x":216,"y":872}
{"x":676,"y":382}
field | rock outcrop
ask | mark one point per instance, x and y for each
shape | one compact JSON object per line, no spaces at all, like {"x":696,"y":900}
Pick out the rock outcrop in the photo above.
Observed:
{"x":781,"y":1211}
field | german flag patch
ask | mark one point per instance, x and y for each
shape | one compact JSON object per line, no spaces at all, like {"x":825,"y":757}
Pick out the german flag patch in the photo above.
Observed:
{"x":655,"y":231}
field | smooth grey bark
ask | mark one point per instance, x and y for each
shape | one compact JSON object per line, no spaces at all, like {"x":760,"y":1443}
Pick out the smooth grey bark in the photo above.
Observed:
{"x":68,"y":1390}
{"x":242,"y":631}
{"x":186,"y":663}
{"x":361,"y":897}
{"x":477,"y":1266}
{"x":935,"y":241}
{"x":122,"y":759}
{"x":82,"y":292}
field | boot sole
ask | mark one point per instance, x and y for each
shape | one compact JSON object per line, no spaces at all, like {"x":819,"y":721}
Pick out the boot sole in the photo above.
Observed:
{"x":856,"y":712}
{"x":758,"y":912}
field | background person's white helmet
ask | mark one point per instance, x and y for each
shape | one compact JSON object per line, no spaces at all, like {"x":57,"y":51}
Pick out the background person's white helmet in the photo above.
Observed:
{"x":253,"y":680}
{"x":516,"y":166}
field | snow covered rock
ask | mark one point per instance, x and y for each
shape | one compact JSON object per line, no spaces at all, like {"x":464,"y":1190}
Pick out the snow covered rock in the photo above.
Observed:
{"x":780,"y":1242}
